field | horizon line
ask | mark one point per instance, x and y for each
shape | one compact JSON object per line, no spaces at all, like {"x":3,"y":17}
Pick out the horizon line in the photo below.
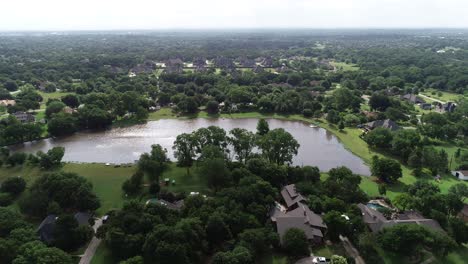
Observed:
{"x":230,"y":28}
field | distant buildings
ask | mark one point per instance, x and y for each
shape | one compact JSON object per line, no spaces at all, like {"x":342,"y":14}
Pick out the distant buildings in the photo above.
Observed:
{"x":24,"y":117}
{"x":298,"y":215}
{"x":461,"y":174}
{"x":174,"y":66}
{"x":7,"y":103}
{"x":144,"y":68}
{"x":376,"y":221}
{"x":447,"y":107}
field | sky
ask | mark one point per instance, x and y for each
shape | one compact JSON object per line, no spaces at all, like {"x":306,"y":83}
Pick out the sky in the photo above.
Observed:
{"x":218,"y":14}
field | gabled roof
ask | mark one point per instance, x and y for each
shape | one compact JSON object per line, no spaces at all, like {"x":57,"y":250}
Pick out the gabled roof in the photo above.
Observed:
{"x":413,"y":98}
{"x":288,"y":222}
{"x":387,"y":123}
{"x":309,"y":216}
{"x":290,"y":196}
{"x":46,"y":229}
{"x":82,"y":218}
{"x":376,"y":221}
{"x":297,"y":216}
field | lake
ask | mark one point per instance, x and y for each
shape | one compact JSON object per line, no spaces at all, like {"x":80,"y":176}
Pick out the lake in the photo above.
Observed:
{"x":124,"y":145}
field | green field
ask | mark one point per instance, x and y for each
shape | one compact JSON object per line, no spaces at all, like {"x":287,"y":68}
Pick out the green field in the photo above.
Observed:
{"x":47,"y":96}
{"x":344,"y":66}
{"x":443,"y":96}
{"x":107,"y":180}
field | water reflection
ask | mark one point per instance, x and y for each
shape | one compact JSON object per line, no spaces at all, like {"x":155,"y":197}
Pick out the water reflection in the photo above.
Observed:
{"x":319,"y":147}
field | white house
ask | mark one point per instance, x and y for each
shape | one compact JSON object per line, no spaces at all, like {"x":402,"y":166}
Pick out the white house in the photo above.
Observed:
{"x":462,"y":174}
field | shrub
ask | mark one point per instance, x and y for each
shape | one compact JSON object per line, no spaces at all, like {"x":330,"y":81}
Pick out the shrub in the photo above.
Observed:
{"x":13,"y":185}
{"x":5,"y":199}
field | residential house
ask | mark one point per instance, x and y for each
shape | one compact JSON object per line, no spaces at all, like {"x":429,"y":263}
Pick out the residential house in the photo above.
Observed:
{"x":257,"y":69}
{"x":224,"y":63}
{"x":177,"y":205}
{"x":267,"y":62}
{"x":174,"y":66}
{"x":461,"y":174}
{"x":200,"y":65}
{"x":46,"y":229}
{"x":144,"y":68}
{"x":298,"y":215}
{"x":463,"y":214}
{"x":7,"y":102}
{"x":376,"y":221}
{"x":412,"y":98}
{"x":387,"y":123}
{"x":247,"y":63}
{"x":447,"y":107}
{"x":426,"y":106}
{"x":24,"y":117}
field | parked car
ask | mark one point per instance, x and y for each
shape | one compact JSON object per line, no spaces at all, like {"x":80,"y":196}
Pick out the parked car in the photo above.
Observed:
{"x":317,"y":260}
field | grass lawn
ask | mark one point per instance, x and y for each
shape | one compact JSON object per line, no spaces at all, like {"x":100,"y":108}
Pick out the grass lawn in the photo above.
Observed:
{"x":183,"y":181}
{"x":107,"y":182}
{"x":47,"y":96}
{"x":459,"y":256}
{"x":329,"y":250}
{"x":350,"y":139}
{"x":441,"y":95}
{"x":103,"y":255}
{"x":345,"y":66}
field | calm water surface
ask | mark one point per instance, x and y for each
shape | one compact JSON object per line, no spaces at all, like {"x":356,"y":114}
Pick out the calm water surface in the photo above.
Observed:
{"x":124,"y":145}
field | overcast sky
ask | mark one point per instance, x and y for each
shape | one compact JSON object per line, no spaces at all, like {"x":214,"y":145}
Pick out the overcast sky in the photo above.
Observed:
{"x":193,"y":14}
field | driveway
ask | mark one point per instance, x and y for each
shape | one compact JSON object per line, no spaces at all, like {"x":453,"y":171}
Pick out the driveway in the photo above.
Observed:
{"x":430,"y":98}
{"x":93,"y":245}
{"x":307,"y":260}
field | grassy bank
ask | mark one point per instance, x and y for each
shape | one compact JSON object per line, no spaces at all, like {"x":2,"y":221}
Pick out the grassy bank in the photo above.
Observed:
{"x":107,"y":180}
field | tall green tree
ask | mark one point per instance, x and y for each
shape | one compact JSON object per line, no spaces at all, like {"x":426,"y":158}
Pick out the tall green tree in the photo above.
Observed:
{"x":243,"y":142}
{"x":262,"y":127}
{"x":278,"y":146}
{"x":184,"y":150}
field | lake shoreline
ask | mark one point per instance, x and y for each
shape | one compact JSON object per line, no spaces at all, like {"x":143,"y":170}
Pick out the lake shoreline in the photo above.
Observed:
{"x":123,"y":145}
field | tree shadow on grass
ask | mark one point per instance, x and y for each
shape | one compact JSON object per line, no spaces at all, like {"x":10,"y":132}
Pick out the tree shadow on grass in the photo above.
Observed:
{"x":398,"y":187}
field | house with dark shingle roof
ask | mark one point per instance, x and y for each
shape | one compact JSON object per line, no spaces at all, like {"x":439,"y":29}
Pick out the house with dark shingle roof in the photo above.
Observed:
{"x":47,"y":227}
{"x":387,"y":123}
{"x":412,"y":98}
{"x":376,"y":221}
{"x":297,"y":215}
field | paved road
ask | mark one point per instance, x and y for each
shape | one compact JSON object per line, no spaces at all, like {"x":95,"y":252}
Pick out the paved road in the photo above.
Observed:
{"x":93,"y":245}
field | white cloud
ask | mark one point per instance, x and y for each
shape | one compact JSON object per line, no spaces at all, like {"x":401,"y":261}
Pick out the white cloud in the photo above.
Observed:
{"x":154,"y":14}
